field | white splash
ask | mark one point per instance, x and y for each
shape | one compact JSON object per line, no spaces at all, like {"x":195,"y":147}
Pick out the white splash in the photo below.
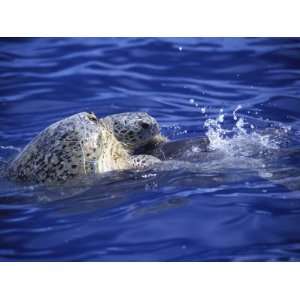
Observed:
{"x":235,"y":111}
{"x":241,"y":140}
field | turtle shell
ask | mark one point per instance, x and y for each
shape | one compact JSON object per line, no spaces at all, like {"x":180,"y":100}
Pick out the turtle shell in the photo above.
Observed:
{"x":64,"y":150}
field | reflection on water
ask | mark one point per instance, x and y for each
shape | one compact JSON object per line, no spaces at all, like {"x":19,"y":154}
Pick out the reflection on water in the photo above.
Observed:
{"x":239,"y":200}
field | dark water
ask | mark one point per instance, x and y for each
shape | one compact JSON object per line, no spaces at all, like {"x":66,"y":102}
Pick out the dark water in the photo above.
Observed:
{"x":212,"y":213}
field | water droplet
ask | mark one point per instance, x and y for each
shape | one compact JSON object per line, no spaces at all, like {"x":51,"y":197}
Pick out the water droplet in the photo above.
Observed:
{"x":235,"y":111}
{"x":221,"y":118}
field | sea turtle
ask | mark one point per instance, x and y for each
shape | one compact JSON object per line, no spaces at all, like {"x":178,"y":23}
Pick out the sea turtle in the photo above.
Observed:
{"x":190,"y":149}
{"x":278,"y":165}
{"x":83,"y":144}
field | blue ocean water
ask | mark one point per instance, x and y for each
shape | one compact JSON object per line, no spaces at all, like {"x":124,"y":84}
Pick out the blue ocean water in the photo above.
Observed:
{"x":225,"y":88}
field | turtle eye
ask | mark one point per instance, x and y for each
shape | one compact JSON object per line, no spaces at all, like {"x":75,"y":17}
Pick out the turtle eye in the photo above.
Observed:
{"x":145,"y":125}
{"x":92,"y":117}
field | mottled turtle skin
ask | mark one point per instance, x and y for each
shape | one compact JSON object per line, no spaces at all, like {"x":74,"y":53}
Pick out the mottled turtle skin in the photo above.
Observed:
{"x":82,"y":144}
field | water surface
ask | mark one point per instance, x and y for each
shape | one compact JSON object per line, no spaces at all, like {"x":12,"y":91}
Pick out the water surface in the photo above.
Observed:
{"x":241,"y":206}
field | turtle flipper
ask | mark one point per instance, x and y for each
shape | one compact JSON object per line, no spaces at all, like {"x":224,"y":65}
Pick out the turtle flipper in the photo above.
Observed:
{"x":143,"y":161}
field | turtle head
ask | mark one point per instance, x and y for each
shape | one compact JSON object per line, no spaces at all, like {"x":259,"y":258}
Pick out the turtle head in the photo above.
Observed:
{"x":134,"y":129}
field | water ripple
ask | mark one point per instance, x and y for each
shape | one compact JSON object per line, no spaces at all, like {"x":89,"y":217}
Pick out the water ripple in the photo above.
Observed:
{"x":230,"y":214}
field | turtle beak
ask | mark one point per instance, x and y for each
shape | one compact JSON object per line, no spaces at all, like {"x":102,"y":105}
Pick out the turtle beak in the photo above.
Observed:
{"x":158,"y":139}
{"x":151,"y":145}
